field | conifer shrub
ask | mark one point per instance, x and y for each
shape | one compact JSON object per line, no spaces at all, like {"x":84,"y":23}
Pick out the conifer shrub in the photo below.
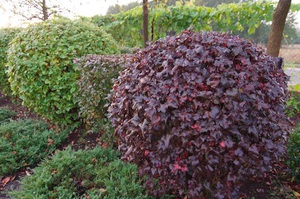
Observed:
{"x":6,"y":115}
{"x":6,"y":35}
{"x":26,"y":142}
{"x":93,"y":174}
{"x":199,"y":112}
{"x":41,"y":69}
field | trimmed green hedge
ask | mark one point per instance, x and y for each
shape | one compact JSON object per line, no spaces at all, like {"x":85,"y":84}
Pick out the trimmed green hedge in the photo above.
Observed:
{"x":41,"y":68}
{"x":97,"y":73}
{"x":6,"y":35}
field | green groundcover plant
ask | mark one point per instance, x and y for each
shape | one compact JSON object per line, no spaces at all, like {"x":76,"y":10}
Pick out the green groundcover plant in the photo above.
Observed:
{"x":90,"y":174}
{"x":200,"y":112}
{"x":6,"y":35}
{"x":6,"y":115}
{"x":26,"y":142}
{"x":41,"y":69}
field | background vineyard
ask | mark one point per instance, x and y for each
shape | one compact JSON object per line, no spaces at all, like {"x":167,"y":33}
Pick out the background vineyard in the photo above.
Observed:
{"x":249,"y":20}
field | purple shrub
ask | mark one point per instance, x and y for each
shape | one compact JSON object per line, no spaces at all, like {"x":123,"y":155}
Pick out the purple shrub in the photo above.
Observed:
{"x":199,"y":112}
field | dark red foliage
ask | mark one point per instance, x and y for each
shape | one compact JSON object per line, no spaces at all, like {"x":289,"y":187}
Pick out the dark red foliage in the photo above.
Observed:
{"x":199,"y":112}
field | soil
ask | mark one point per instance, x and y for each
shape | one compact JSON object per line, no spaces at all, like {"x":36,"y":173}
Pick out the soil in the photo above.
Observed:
{"x":278,"y":181}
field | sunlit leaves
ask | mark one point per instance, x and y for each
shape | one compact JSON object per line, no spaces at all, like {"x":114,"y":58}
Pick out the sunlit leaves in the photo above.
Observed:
{"x":126,"y":27}
{"x":41,"y":69}
{"x":6,"y":35}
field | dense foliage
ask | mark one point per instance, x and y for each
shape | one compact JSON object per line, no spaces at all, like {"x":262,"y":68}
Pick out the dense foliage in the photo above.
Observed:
{"x":199,"y":112}
{"x":241,"y":19}
{"x":6,"y":35}
{"x":25,"y":143}
{"x":293,"y":152}
{"x":6,"y":115}
{"x":125,"y":27}
{"x":96,"y":79}
{"x":41,"y":69}
{"x":92,"y":174}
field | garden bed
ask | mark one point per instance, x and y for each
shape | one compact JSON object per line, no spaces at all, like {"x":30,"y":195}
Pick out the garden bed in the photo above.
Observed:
{"x":276,"y":184}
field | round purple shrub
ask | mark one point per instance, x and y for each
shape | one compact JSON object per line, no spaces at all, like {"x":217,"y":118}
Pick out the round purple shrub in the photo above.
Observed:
{"x":199,"y":112}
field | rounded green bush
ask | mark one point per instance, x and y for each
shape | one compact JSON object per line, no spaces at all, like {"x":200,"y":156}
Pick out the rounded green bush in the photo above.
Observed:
{"x":41,"y":69}
{"x":96,"y":173}
{"x":6,"y":35}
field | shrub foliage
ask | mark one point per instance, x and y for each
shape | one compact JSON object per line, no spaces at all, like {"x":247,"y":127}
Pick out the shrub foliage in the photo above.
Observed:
{"x":198,"y":112}
{"x":93,"y":174}
{"x":6,"y":115}
{"x":234,"y":18}
{"x":25,"y":142}
{"x":96,"y":79}
{"x":293,"y":151}
{"x":41,"y":68}
{"x":6,"y":35}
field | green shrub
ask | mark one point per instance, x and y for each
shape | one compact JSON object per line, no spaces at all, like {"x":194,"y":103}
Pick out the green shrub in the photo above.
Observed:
{"x":96,"y":173}
{"x":6,"y":35}
{"x":25,"y":142}
{"x":293,"y":152}
{"x":96,"y":79}
{"x":41,"y":69}
{"x":6,"y":115}
{"x":293,"y":104}
{"x":200,"y":112}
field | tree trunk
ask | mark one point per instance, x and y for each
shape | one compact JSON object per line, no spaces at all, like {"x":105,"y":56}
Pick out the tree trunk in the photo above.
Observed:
{"x":45,"y":11}
{"x":145,"y":22}
{"x":276,"y":32}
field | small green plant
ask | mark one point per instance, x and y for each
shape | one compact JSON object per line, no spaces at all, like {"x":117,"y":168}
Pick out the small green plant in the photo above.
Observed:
{"x":293,"y":152}
{"x":41,"y":69}
{"x":25,"y":142}
{"x":293,"y":107}
{"x":6,"y":115}
{"x":6,"y":35}
{"x":93,"y":174}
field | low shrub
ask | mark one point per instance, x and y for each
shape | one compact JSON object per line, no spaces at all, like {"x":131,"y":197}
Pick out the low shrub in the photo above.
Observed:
{"x":25,"y":142}
{"x":6,"y":35}
{"x":293,"y":104}
{"x":41,"y":69}
{"x":96,"y":79}
{"x":293,"y":152}
{"x":200,"y":112}
{"x":96,"y":173}
{"x":6,"y":114}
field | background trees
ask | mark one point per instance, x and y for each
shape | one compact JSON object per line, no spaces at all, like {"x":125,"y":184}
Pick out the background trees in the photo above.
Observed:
{"x":36,"y":9}
{"x":276,"y":32}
